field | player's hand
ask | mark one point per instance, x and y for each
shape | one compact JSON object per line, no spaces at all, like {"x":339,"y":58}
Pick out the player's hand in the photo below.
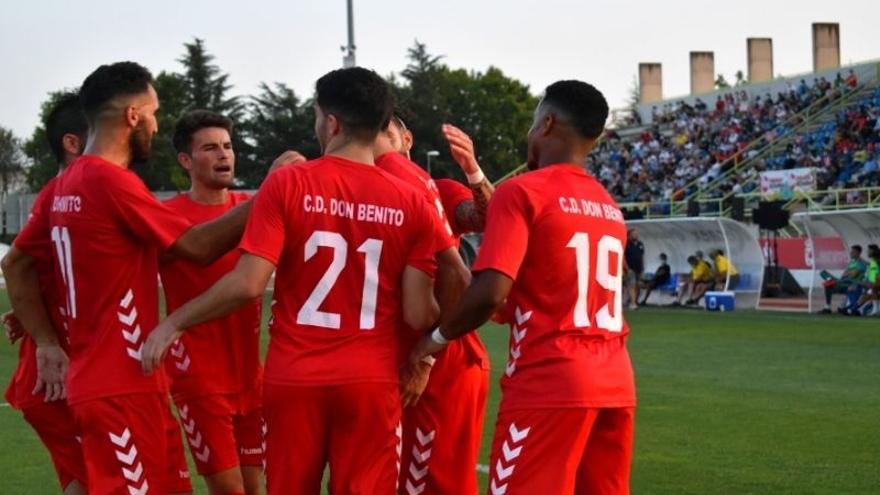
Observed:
{"x":462,"y":149}
{"x":157,"y":344}
{"x":289,"y":157}
{"x":14,"y":330}
{"x":51,"y":370}
{"x":424,"y":348}
{"x":413,"y":381}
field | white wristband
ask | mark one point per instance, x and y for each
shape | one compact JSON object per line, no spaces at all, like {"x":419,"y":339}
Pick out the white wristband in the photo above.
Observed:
{"x":476,"y":177}
{"x":438,"y":337}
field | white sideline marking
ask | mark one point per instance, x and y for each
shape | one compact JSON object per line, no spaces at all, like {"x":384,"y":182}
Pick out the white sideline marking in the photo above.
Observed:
{"x":4,"y":404}
{"x":482,"y":468}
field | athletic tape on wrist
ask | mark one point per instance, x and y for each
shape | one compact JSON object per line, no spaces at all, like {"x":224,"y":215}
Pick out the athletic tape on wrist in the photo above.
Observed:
{"x":438,"y":337}
{"x":476,"y":177}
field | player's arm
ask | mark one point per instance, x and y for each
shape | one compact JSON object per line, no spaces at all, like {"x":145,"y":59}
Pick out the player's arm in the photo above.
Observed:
{"x":481,"y":300}
{"x":420,"y":309}
{"x":206,"y":242}
{"x":243,"y":284}
{"x":23,"y":287}
{"x":453,"y":278}
{"x":470,"y":215}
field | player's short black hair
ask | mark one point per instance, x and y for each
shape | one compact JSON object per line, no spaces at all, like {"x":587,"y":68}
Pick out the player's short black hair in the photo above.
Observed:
{"x":65,"y":117}
{"x":692,"y":259}
{"x":110,"y":81}
{"x":581,"y":103}
{"x":359,"y":98}
{"x":857,"y":248}
{"x":663,"y":256}
{"x":194,"y":121}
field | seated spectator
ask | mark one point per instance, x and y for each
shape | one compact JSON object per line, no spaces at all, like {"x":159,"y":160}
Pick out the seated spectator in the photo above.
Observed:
{"x":661,"y":277}
{"x":698,"y":283}
{"x":724,"y":268}
{"x":853,"y":274}
{"x":868,"y":289}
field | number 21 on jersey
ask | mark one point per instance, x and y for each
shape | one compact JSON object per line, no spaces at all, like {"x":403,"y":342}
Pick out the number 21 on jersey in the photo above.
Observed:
{"x":608,"y":317}
{"x":309,"y":314}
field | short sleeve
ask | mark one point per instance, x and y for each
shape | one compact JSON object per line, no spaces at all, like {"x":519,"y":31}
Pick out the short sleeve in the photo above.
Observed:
{"x":34,"y":238}
{"x":452,"y":195}
{"x":506,"y":237}
{"x":443,"y":238}
{"x":423,"y":239}
{"x":265,"y":233}
{"x":142,"y":214}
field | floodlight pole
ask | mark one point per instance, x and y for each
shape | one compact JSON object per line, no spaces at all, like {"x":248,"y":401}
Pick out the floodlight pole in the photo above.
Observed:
{"x":348,"y":59}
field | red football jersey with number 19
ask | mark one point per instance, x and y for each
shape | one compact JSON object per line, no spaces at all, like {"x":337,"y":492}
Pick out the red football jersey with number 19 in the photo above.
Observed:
{"x":220,"y":356}
{"x":559,"y":234}
{"x":107,"y":228}
{"x":340,"y":234}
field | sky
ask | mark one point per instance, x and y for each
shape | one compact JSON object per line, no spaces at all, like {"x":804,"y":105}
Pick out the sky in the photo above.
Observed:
{"x":46,"y":45}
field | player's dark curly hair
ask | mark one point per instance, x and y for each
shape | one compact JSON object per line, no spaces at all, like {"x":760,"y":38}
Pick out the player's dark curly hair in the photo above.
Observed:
{"x":194,"y":121}
{"x":581,"y":104}
{"x":110,"y":81}
{"x":359,"y":98}
{"x":65,"y":117}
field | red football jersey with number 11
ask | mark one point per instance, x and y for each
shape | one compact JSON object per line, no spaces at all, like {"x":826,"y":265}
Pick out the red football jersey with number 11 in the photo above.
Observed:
{"x":340,"y":234}
{"x":559,"y":234}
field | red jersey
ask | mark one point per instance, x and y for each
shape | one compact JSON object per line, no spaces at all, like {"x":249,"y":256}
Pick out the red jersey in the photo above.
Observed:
{"x":106,"y":228}
{"x":340,"y":234}
{"x":452,"y":195}
{"x":221,"y":356}
{"x":33,"y":241}
{"x":401,"y":167}
{"x":560,"y":236}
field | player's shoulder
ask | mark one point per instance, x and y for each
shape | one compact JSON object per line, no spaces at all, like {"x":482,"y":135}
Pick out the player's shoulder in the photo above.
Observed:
{"x":178,"y":200}
{"x":451,"y":187}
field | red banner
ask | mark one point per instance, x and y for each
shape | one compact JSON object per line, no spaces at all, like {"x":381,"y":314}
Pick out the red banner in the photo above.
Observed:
{"x":799,"y":253}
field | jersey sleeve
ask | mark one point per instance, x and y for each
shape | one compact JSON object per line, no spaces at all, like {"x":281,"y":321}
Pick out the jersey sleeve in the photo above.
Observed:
{"x":141,"y":213}
{"x":443,"y":238}
{"x":265,"y":232}
{"x":506,"y":238}
{"x":424,"y":243}
{"x":34,"y":238}
{"x":452,"y":195}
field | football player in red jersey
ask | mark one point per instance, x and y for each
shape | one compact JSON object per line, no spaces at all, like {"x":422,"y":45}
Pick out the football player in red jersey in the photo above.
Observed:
{"x":553,"y":250}
{"x":442,"y":426}
{"x":105,"y":229}
{"x":66,"y":131}
{"x":353,"y":247}
{"x":215,"y":369}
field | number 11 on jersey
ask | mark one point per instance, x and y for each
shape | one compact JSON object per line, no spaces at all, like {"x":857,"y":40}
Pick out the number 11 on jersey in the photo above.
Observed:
{"x":608,"y":317}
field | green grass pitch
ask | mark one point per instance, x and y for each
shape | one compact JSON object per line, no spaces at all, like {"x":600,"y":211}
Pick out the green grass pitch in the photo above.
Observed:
{"x":729,"y":403}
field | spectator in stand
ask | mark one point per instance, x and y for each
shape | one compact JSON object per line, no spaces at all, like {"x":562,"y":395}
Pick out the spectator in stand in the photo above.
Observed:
{"x":853,"y":274}
{"x":634,"y":256}
{"x":698,"y":283}
{"x":852,"y":80}
{"x":726,"y":274}
{"x":661,"y":277}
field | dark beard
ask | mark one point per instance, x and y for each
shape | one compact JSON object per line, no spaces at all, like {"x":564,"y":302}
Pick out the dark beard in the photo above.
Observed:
{"x":140,"y":143}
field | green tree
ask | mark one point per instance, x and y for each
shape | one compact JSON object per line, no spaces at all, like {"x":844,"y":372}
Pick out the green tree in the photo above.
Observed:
{"x":493,"y":108}
{"x":206,"y":85}
{"x":277,"y":121}
{"x":12,"y":164}
{"x":721,"y":82}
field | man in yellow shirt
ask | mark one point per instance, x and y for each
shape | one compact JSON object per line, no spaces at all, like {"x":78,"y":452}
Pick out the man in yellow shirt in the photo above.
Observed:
{"x":700,"y":281}
{"x":724,"y":268}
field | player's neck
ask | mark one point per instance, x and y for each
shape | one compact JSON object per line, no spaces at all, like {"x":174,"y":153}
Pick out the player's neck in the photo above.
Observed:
{"x":351,"y":150}
{"x":108,"y":146}
{"x":208,"y":196}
